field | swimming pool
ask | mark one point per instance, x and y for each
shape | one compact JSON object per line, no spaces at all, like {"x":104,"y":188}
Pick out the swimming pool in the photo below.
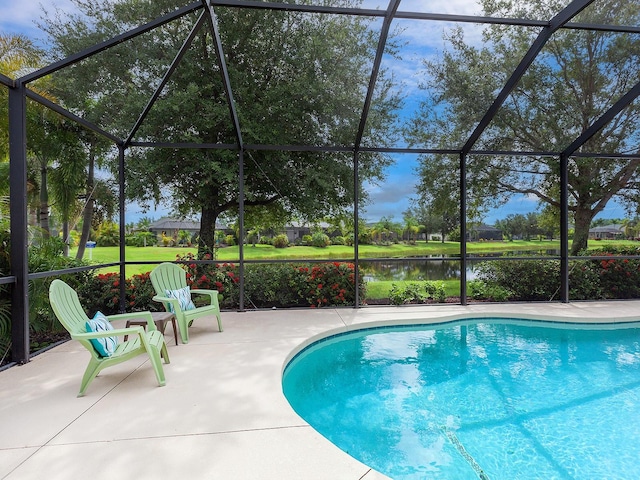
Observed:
{"x":489,"y":399}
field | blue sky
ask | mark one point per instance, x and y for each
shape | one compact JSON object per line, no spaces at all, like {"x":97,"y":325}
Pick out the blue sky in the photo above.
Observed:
{"x":425,"y":39}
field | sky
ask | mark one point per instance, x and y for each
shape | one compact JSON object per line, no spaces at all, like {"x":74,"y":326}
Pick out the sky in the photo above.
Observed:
{"x":392,"y":197}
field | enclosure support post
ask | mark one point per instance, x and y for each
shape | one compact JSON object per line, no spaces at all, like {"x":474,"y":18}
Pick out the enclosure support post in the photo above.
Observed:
{"x":463,"y":229}
{"x":123,"y":259}
{"x":18,"y":219}
{"x":241,"y":226}
{"x":356,"y":230}
{"x":564,"y":228}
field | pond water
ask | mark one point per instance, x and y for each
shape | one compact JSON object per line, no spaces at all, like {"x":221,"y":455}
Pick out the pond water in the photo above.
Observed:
{"x":432,"y":268}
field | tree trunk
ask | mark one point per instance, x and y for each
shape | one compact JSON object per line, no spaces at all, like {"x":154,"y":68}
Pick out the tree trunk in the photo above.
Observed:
{"x":44,"y":202}
{"x":583,"y":219}
{"x":206,"y":244}
{"x":87,"y":214}
{"x":65,"y":237}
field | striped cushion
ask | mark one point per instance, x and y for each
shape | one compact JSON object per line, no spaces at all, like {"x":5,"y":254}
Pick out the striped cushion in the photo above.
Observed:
{"x":105,"y":346}
{"x":184,"y":298}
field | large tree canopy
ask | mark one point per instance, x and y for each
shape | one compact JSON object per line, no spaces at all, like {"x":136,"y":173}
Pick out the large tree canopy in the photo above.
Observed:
{"x":576,"y":78}
{"x":297,"y":79}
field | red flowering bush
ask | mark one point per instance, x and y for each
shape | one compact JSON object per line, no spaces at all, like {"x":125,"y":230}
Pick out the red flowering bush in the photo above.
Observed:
{"x":331,"y":284}
{"x":101,"y":292}
{"x":222,"y":277}
{"x":619,"y":278}
{"x":266,"y":285}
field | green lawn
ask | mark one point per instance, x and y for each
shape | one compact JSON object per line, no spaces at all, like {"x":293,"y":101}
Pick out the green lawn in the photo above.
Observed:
{"x":267,"y":252}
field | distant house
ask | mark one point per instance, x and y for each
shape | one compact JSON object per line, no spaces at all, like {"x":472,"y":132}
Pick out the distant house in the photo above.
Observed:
{"x":483,"y":232}
{"x":295,"y":231}
{"x":169,"y":227}
{"x":607,"y":232}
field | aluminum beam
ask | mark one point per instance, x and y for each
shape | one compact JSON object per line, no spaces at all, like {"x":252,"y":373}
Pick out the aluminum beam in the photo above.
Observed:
{"x":18,"y":219}
{"x":88,"y":52}
{"x":382,"y":42}
{"x":555,"y":23}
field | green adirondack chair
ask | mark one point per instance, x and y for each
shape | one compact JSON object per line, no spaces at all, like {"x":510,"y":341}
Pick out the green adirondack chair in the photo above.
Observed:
{"x":169,"y":277}
{"x":65,"y":304}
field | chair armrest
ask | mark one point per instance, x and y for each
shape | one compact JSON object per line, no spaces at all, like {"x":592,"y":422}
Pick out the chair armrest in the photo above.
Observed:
{"x":213,"y":295}
{"x":172,"y":301}
{"x":116,"y":332}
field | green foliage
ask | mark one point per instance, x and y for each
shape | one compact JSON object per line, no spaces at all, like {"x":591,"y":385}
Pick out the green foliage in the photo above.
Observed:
{"x":618,"y":278}
{"x":278,"y":112}
{"x":5,"y":322}
{"x":229,"y":240}
{"x":281,"y":241}
{"x":46,"y":256}
{"x":320,"y":239}
{"x":274,"y":285}
{"x":539,"y":280}
{"x":338,"y":240}
{"x":417,"y":292}
{"x":571,"y":68}
{"x":278,"y":285}
{"x":222,"y":277}
{"x":528,"y":279}
{"x":307,"y":240}
{"x":141,"y":239}
{"x":481,"y":290}
{"x":108,"y":234}
{"x":102,"y":293}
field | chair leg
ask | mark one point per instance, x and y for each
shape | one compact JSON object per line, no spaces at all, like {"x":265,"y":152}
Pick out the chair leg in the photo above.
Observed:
{"x":90,"y":373}
{"x":184,"y":330}
{"x":219,"y":320}
{"x":157,"y":349}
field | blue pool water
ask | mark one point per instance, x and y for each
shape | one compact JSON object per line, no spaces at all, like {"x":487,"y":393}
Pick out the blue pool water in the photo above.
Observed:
{"x":487,"y":399}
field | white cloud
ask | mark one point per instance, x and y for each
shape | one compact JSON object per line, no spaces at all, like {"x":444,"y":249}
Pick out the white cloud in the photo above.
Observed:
{"x":21,"y":17}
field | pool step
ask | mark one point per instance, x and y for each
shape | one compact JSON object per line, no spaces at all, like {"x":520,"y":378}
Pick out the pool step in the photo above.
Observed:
{"x":470,"y":460}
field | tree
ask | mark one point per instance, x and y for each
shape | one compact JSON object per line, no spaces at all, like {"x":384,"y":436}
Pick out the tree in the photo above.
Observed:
{"x":575,"y":79}
{"x":18,"y":55}
{"x":297,"y":79}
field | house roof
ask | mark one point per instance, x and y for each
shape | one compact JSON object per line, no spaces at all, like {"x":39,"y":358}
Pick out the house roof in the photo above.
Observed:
{"x":168,"y":223}
{"x":615,"y":228}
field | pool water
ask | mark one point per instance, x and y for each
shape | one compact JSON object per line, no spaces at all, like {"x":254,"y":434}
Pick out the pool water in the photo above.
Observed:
{"x":487,"y":399}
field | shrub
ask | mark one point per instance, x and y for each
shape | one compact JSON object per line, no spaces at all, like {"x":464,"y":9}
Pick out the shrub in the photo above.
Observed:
{"x":481,"y":290}
{"x":365,"y":238}
{"x":338,"y":240}
{"x":281,"y":241}
{"x":331,"y":284}
{"x":534,"y":280}
{"x":320,"y":239}
{"x":230,"y":240}
{"x":619,"y":278}
{"x":273,"y":285}
{"x":528,"y":279}
{"x":223,"y":277}
{"x":417,"y":292}
{"x":140,"y":293}
{"x":306,"y":240}
{"x":100,"y":292}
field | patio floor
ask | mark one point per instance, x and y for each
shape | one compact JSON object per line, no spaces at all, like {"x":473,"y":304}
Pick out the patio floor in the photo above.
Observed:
{"x":222,"y":414}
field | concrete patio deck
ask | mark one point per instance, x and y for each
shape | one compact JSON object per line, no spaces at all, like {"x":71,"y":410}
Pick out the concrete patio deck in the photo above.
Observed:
{"x":222,"y":414}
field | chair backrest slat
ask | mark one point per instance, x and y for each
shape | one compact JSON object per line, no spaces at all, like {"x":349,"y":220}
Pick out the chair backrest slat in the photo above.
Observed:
{"x":168,"y":276}
{"x":66,"y":305}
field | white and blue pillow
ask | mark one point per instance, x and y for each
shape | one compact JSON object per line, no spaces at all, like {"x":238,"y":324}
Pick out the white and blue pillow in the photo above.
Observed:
{"x":183,"y":295}
{"x":105,"y":346}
